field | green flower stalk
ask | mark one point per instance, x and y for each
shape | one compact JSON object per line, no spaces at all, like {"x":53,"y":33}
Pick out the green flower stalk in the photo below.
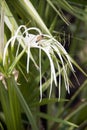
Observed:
{"x":53,"y":49}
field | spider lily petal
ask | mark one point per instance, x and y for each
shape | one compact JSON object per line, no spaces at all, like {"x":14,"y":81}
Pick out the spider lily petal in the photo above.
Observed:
{"x":51,"y":47}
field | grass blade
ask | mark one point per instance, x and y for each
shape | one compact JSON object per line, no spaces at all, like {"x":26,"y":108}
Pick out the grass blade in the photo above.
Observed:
{"x":48,"y":117}
{"x":25,"y":106}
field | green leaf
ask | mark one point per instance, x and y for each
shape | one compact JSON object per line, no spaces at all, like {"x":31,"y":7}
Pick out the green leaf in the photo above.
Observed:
{"x":47,"y":101}
{"x":14,"y":105}
{"x":77,"y":2}
{"x":75,"y":11}
{"x":78,"y":109}
{"x":1,"y":127}
{"x":55,"y":119}
{"x":24,"y":106}
{"x":58,"y":12}
{"x":5,"y":105}
{"x":10,"y":69}
{"x":10,"y":106}
{"x":26,"y":7}
{"x":73,"y":61}
{"x":2,"y":30}
{"x":77,"y":93}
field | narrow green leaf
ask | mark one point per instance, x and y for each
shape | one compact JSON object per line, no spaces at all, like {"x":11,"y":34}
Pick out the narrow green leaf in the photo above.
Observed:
{"x":52,"y":26}
{"x":26,"y":7}
{"x":55,"y":119}
{"x":14,"y":105}
{"x":5,"y":105}
{"x":2,"y":30}
{"x":76,"y":110}
{"x":16,"y":61}
{"x":58,"y":12}
{"x":25,"y":106}
{"x":66,"y":6}
{"x":10,"y":106}
{"x":77,"y":2}
{"x":79,"y":67}
{"x":76,"y":93}
{"x":47,"y":101}
{"x":8,"y":18}
{"x":1,"y":127}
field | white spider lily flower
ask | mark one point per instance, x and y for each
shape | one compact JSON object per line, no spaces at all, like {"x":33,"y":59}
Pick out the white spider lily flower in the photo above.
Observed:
{"x":50,"y":46}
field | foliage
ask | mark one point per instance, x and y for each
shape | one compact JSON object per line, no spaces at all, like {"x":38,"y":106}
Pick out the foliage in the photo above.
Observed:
{"x":20,"y":105}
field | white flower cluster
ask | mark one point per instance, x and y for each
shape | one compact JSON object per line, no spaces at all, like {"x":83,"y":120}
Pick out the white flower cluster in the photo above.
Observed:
{"x":53,"y":50}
